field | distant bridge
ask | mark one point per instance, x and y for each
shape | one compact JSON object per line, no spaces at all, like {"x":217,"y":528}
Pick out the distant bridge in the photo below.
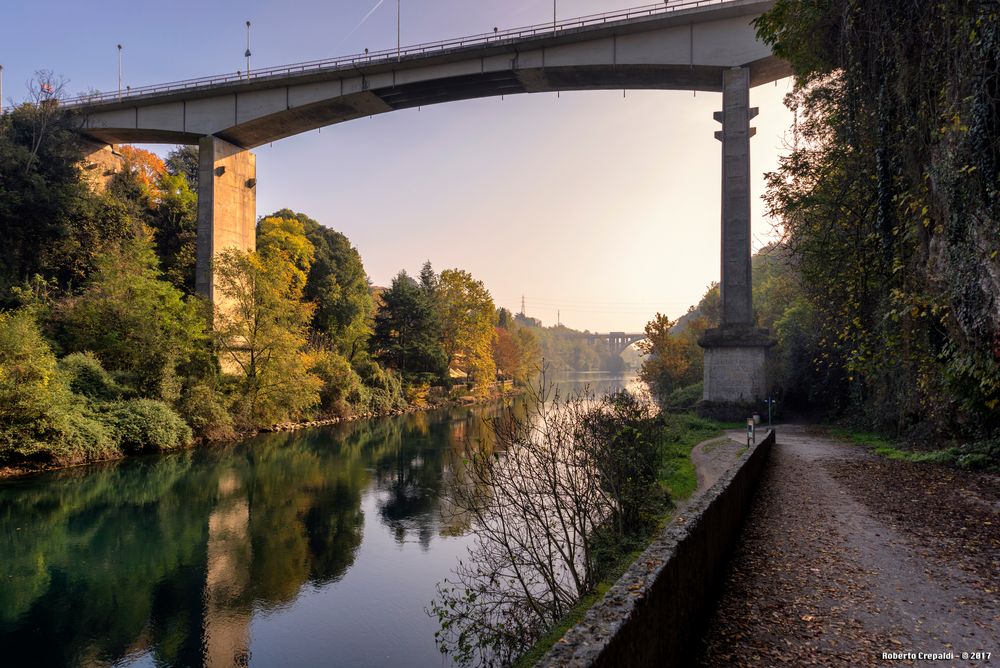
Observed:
{"x":617,"y":342}
{"x":707,"y":45}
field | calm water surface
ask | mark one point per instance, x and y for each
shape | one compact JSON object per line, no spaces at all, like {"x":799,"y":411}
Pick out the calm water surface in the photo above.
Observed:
{"x":318,"y":548}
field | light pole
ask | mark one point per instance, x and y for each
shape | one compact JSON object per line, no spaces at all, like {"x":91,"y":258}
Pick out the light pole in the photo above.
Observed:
{"x":119,"y":71}
{"x":1,"y":90}
{"x":553,"y":15}
{"x":247,"y":54}
{"x":398,"y":20}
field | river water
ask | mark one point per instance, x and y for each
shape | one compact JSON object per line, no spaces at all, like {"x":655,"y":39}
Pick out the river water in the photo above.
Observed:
{"x":315,"y":548}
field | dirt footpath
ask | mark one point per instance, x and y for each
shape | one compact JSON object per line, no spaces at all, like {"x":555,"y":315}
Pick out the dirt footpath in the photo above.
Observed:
{"x":846,"y":555}
{"x":714,"y":457}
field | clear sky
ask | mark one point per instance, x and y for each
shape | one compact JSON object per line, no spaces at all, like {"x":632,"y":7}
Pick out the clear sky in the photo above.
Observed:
{"x":602,"y":206}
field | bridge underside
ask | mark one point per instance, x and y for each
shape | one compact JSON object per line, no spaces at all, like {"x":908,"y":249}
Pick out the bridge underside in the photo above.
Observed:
{"x":685,"y":49}
{"x":171,"y":124}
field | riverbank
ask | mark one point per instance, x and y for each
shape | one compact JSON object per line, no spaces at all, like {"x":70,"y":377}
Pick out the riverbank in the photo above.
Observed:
{"x":10,"y":471}
{"x":441,"y":404}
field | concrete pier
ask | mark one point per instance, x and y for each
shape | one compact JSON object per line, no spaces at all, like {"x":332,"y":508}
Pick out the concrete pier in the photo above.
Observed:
{"x":99,"y":164}
{"x":735,"y":352}
{"x":227,"y":207}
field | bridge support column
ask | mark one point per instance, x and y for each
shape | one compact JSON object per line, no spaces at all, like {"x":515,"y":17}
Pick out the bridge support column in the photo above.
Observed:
{"x":227,"y":207}
{"x":735,"y":352}
{"x":100,"y":164}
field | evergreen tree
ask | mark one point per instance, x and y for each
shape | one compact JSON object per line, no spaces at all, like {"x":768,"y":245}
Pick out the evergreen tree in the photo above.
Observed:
{"x":408,"y":331}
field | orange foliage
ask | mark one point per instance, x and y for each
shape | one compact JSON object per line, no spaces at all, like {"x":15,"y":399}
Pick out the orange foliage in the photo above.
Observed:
{"x":147,"y":167}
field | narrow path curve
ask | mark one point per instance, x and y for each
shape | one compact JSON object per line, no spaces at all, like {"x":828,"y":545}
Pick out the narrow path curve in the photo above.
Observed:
{"x":714,"y":457}
{"x":845,"y":556}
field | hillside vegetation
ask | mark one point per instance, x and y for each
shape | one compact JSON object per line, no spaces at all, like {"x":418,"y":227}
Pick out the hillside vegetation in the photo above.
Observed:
{"x":884,"y":290}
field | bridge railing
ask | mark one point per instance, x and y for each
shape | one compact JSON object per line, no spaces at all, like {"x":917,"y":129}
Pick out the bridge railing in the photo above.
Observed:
{"x":390,"y":55}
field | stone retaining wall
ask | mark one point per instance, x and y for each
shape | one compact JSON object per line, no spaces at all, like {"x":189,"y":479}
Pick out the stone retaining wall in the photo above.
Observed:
{"x":653,"y":614}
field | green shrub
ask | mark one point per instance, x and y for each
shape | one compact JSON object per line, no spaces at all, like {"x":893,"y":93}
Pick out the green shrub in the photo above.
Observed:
{"x":81,"y":436}
{"x":86,"y":377}
{"x":684,"y":398}
{"x":342,"y":385}
{"x":382,"y":390}
{"x":617,"y":434}
{"x":148,"y":425}
{"x":40,"y":419}
{"x":63,"y":434}
{"x":206,"y":412}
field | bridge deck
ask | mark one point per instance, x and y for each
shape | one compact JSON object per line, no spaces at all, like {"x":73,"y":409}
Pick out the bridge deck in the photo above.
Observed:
{"x":678,"y":45}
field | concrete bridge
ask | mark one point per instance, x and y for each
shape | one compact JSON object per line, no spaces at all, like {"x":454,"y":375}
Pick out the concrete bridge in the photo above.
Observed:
{"x":617,"y":342}
{"x":705,"y":45}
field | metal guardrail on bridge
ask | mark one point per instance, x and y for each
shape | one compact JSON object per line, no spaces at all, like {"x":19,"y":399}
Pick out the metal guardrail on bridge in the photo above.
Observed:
{"x":391,"y":55}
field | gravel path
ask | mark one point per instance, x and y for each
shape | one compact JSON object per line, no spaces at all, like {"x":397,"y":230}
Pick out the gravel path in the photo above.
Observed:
{"x":714,"y":457}
{"x":846,"y":555}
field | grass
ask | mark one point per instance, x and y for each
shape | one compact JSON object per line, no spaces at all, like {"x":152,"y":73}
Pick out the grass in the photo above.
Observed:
{"x":981,"y":455}
{"x":680,"y":433}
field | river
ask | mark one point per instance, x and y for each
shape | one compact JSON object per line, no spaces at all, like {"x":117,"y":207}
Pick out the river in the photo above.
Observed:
{"x":314,"y":548}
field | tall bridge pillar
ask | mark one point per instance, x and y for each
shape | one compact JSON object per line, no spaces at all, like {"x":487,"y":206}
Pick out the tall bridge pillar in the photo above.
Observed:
{"x":735,"y":352}
{"x":227,"y":207}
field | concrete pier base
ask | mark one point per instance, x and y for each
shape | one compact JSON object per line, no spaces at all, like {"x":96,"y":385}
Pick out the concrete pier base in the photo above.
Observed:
{"x":735,"y":372}
{"x":227,"y":207}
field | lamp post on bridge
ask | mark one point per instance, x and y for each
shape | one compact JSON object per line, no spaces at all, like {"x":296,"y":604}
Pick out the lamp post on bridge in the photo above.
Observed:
{"x":119,"y":71}
{"x":247,"y":54}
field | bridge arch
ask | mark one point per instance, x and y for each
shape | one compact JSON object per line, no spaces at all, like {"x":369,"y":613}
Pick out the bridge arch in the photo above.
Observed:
{"x":682,"y":45}
{"x":707,"y":45}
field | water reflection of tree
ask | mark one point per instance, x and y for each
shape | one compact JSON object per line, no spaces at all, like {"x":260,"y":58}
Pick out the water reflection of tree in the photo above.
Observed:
{"x":563,"y":481}
{"x":172,"y":555}
{"x":413,"y":471}
{"x":144,"y":555}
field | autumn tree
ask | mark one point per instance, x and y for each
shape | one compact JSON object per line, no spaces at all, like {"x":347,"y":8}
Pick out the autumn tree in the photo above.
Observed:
{"x":262,"y":332}
{"x":338,"y":284}
{"x":146,"y":167}
{"x":673,"y":360}
{"x":516,"y":351}
{"x":468,"y":317}
{"x":285,"y":238}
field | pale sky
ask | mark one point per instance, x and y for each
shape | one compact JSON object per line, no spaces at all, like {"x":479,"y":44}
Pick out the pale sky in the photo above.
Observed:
{"x":602,"y":206}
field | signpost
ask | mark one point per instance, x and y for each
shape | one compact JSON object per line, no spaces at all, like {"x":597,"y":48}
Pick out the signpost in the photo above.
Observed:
{"x":770,"y":409}
{"x":751,"y":438}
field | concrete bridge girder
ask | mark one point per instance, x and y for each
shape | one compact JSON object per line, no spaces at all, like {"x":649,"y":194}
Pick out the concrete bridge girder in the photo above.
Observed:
{"x":683,"y":50}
